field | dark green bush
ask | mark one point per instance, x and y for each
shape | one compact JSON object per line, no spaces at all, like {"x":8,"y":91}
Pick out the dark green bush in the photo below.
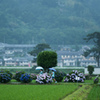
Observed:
{"x":33,"y":76}
{"x":59,"y":76}
{"x":18,"y":75}
{"x":90,"y":69}
{"x":88,"y":77}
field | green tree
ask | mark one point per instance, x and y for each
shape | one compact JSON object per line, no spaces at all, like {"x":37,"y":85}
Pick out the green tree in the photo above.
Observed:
{"x":39,"y":48}
{"x":94,"y":51}
{"x":90,"y":69}
{"x":47,"y":59}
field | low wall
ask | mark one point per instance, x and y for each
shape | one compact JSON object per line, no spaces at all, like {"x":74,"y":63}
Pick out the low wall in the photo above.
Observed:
{"x":96,"y":71}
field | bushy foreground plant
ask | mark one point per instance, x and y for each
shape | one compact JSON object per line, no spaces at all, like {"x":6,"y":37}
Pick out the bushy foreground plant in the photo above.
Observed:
{"x":25,"y":78}
{"x":5,"y":76}
{"x":59,"y":76}
{"x":75,"y":76}
{"x":33,"y":76}
{"x":90,"y":69}
{"x":96,"y":80}
{"x":44,"y":78}
{"x":88,"y":77}
{"x":18,"y":75}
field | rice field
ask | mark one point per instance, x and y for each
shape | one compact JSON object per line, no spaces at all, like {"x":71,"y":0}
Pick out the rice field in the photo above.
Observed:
{"x":35,"y":92}
{"x":94,"y":93}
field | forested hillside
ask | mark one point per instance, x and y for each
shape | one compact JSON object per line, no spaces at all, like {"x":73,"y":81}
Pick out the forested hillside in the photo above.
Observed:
{"x":48,"y":21}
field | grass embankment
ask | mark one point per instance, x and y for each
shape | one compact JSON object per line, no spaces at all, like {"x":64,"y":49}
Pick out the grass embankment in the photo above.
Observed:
{"x":80,"y":94}
{"x":94,"y":93}
{"x":35,"y":92}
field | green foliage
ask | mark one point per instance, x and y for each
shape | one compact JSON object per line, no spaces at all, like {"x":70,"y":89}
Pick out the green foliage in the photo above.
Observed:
{"x":18,"y":75}
{"x":38,"y":48}
{"x":96,"y":80}
{"x":90,"y":69}
{"x":94,"y":51}
{"x":47,"y":59}
{"x":88,"y":77}
{"x":5,"y":76}
{"x":59,"y":76}
{"x":25,"y":78}
{"x":48,"y":21}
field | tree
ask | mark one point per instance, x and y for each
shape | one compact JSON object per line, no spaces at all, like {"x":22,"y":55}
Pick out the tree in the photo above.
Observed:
{"x":47,"y":59}
{"x":94,"y":51}
{"x":39,"y":48}
{"x":90,"y":69}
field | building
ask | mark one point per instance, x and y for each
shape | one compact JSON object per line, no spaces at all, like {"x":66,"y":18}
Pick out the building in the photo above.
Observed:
{"x":74,"y":58}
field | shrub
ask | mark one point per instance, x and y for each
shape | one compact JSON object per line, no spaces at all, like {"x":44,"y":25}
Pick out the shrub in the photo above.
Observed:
{"x":59,"y":76}
{"x":75,"y":76}
{"x":33,"y":76}
{"x":25,"y":78}
{"x":88,"y":77}
{"x":96,"y":80}
{"x":47,"y":59}
{"x":8,"y":72}
{"x":18,"y":75}
{"x":44,"y":78}
{"x":4,"y":77}
{"x":90,"y":69}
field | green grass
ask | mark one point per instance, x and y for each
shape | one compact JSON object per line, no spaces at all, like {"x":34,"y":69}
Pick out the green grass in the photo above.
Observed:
{"x":35,"y":92}
{"x":80,"y":94}
{"x":94,"y":93}
{"x":91,"y":81}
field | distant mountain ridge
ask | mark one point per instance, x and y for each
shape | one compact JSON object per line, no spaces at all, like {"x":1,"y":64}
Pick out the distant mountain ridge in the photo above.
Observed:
{"x":48,"y":21}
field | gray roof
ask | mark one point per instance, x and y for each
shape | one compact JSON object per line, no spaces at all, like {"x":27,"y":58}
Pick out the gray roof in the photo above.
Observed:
{"x":69,"y":53}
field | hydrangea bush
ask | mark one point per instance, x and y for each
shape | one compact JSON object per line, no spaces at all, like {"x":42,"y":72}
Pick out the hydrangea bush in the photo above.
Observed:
{"x":44,"y":78}
{"x":96,"y":80}
{"x":75,"y":76}
{"x":59,"y":76}
{"x":18,"y":75}
{"x":25,"y":78}
{"x":5,"y":76}
{"x":33,"y":76}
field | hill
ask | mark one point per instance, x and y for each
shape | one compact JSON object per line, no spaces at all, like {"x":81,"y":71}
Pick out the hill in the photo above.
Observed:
{"x":50,"y":21}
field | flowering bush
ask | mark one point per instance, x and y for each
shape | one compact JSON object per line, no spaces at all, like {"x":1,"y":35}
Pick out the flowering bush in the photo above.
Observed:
{"x":4,"y":77}
{"x":33,"y":76}
{"x":44,"y":78}
{"x":8,"y":72}
{"x":75,"y":76}
{"x":59,"y":76}
{"x":96,"y":80}
{"x":18,"y":75}
{"x":25,"y":78}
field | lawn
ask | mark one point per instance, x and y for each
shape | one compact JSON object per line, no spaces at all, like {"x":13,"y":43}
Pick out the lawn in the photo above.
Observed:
{"x":35,"y":92}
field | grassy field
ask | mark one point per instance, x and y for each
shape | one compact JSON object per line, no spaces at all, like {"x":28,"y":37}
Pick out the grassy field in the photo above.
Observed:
{"x":59,"y":91}
{"x":35,"y":92}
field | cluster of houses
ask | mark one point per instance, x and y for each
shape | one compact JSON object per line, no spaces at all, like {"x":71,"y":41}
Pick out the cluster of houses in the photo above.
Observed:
{"x":16,"y":55}
{"x":68,"y":57}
